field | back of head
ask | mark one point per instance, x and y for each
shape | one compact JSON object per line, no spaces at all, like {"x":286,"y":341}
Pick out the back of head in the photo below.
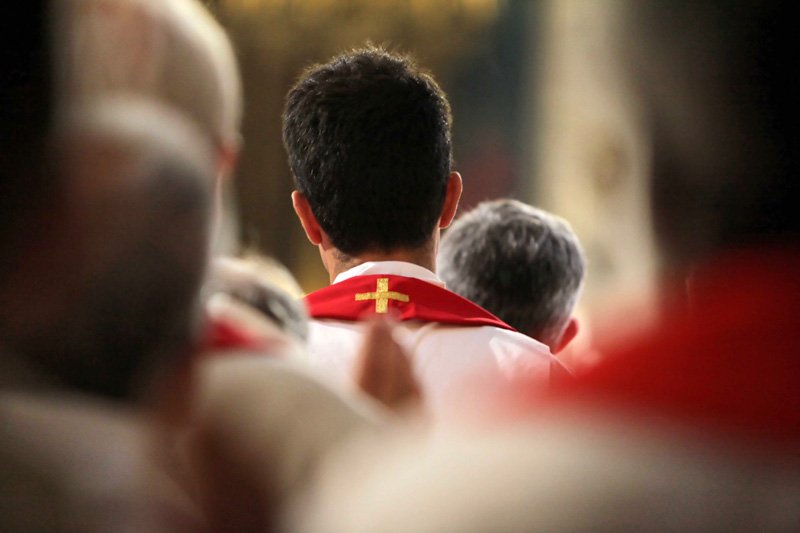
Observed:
{"x":520,"y":263}
{"x":138,"y":195}
{"x":721,"y":103}
{"x":368,"y":139}
{"x":262,"y":285}
{"x":170,"y":50}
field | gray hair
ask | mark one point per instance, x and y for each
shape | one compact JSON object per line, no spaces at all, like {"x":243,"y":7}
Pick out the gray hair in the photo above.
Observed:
{"x":266,"y":286}
{"x":521,"y":263}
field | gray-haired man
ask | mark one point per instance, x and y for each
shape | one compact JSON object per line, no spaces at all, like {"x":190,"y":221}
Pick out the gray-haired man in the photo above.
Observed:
{"x":521,"y":263}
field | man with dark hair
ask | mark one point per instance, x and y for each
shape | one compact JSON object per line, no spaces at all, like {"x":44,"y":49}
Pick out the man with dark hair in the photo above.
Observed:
{"x":695,"y":424}
{"x":368,"y":139}
{"x":523,"y":264}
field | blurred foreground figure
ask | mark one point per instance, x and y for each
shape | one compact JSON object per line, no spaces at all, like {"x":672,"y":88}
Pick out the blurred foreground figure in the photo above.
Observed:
{"x":368,"y":139}
{"x":521,"y":263}
{"x":107,"y":205}
{"x":171,"y":51}
{"x":720,"y":105}
{"x":110,"y":237}
{"x":696,"y":425}
{"x":102,"y":306}
{"x":263,"y":426}
{"x":258,"y":294}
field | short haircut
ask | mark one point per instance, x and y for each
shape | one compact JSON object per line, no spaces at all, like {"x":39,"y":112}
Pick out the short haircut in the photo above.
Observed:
{"x":170,"y":50}
{"x":521,"y":263}
{"x":368,"y":139}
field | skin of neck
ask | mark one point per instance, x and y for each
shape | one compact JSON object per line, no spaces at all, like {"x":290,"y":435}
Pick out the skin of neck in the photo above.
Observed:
{"x":335,"y":261}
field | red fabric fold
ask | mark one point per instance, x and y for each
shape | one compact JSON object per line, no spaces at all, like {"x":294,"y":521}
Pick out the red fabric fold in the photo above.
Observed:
{"x":425,"y":301}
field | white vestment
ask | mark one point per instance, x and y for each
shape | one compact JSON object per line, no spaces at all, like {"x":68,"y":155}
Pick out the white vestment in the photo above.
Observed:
{"x":444,"y":355}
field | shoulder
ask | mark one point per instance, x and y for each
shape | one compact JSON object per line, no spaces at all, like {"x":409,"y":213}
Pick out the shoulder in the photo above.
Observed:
{"x":334,"y":337}
{"x":518,"y":355}
{"x":78,"y":455}
{"x":496,"y":340}
{"x":326,"y":329}
{"x":509,"y":351}
{"x":515,"y":338}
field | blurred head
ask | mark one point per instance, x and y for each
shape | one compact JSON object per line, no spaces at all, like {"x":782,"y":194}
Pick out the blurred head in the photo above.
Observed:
{"x":261,"y":285}
{"x":368,"y":139}
{"x":719,"y":101}
{"x":108,"y":298}
{"x":523,"y":264}
{"x":170,"y":50}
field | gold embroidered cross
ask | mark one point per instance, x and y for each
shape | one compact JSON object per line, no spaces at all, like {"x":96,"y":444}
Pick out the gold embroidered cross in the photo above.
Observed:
{"x":382,"y":296}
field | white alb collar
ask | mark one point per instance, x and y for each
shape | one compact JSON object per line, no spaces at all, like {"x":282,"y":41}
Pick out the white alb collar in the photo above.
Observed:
{"x":397,"y":268}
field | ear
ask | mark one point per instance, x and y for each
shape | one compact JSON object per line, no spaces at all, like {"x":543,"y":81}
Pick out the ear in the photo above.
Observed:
{"x":227,"y":159}
{"x":569,"y":333}
{"x":452,"y":195}
{"x":307,"y":218}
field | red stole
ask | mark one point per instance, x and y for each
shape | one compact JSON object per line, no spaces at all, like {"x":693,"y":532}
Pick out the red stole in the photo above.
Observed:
{"x":409,"y":299}
{"x":223,"y":336}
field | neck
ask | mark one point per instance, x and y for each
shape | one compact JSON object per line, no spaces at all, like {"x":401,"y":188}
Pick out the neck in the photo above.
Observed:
{"x":337,"y":262}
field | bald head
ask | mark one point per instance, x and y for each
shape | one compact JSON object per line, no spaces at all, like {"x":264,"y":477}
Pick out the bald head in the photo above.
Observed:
{"x":170,"y":50}
{"x":111,"y":296}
